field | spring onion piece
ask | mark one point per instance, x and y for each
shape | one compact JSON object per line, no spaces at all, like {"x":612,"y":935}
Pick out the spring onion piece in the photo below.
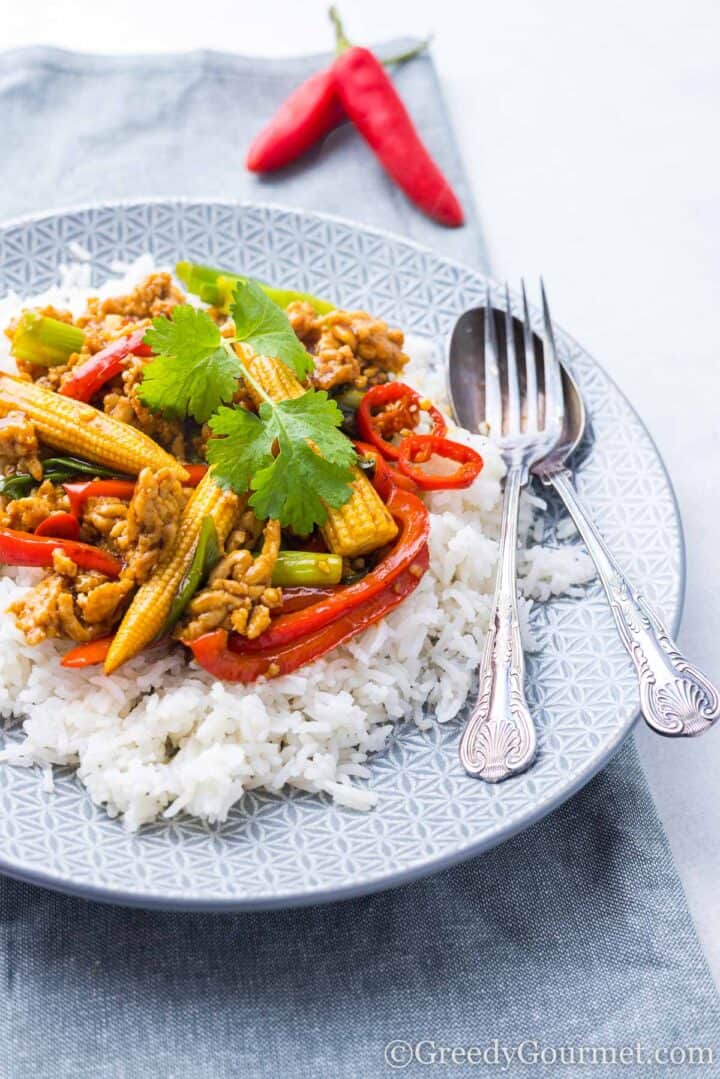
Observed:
{"x":306,"y":568}
{"x":44,"y":341}
{"x":216,"y":287}
{"x":207,"y":555}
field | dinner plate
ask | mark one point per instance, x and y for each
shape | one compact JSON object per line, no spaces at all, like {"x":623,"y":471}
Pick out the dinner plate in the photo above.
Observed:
{"x":294,"y":848}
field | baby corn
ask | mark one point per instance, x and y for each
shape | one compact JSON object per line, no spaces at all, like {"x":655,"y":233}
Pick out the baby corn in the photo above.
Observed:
{"x":78,"y":428}
{"x":148,"y":612}
{"x":364,"y":523}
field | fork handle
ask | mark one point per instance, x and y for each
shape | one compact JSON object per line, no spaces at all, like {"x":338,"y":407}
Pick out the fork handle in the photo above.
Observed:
{"x":499,"y":738}
{"x":676,"y":698}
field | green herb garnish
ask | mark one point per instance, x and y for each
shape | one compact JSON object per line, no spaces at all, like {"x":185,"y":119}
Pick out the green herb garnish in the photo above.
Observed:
{"x":292,"y":455}
{"x":194,"y":372}
{"x":265,"y":327}
{"x":195,"y":369}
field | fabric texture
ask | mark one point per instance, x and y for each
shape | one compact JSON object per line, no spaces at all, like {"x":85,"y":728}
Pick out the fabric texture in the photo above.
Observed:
{"x":575,"y":934}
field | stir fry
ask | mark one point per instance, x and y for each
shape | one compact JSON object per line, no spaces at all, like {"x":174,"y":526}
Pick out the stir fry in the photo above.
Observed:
{"x":240,"y":475}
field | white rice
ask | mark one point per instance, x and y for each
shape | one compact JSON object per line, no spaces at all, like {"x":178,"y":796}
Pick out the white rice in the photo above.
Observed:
{"x":161,"y":736}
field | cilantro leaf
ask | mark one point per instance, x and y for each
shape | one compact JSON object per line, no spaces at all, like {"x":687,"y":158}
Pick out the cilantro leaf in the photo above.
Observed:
{"x":245,"y":448}
{"x":193,"y":372}
{"x":265,"y":327}
{"x":292,"y":456}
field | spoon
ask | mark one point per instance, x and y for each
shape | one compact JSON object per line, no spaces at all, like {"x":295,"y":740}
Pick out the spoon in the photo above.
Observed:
{"x":676,"y":699}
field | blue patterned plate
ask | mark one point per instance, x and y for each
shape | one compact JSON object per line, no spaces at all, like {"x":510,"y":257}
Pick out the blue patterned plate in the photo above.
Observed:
{"x":276,"y":851}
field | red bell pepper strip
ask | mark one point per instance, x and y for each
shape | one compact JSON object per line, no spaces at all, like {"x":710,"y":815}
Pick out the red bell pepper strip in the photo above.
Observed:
{"x":303,"y":119}
{"x":387,"y":393}
{"x":300,"y":596}
{"x":412,"y":516}
{"x":417,"y":449}
{"x":89,"y":377}
{"x":373,"y":104}
{"x":60,"y":525}
{"x":221,"y":655}
{"x":195,"y":473}
{"x":26,"y":549}
{"x":87,"y":655}
{"x":78,"y":493}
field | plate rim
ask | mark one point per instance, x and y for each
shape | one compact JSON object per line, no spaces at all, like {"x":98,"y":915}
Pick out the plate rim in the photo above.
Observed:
{"x":172,"y":901}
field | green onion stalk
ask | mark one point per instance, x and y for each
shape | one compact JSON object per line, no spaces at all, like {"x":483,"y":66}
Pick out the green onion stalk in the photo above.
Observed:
{"x":217,"y":287}
{"x":44,"y":341}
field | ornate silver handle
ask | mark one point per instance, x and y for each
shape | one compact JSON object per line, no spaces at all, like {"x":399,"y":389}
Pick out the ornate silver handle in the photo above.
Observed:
{"x":675,"y":697}
{"x":499,"y":738}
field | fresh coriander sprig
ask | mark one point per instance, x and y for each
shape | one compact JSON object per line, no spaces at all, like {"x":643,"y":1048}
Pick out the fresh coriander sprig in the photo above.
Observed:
{"x":195,"y":369}
{"x":292,"y":455}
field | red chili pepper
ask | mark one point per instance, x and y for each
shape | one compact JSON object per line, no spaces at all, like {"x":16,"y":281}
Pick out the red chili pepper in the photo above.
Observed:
{"x":303,"y":119}
{"x":221,"y":655}
{"x":87,"y":655}
{"x":417,"y":449}
{"x":78,"y":493}
{"x":385,"y":394}
{"x":412,"y":516}
{"x":26,"y":549}
{"x":60,"y":525}
{"x":88,"y":377}
{"x":375,"y":107}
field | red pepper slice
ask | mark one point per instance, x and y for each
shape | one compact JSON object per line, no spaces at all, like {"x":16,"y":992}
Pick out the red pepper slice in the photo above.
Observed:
{"x":418,"y":449}
{"x":195,"y":473}
{"x":78,"y":493}
{"x":385,"y":394}
{"x":220,"y":654}
{"x":412,"y":516}
{"x":60,"y":525}
{"x":87,"y":655}
{"x":27,"y":549}
{"x":298,"y":597}
{"x":88,"y":377}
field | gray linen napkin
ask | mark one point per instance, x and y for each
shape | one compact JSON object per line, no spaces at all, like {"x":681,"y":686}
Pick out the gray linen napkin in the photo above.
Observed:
{"x":573,"y":936}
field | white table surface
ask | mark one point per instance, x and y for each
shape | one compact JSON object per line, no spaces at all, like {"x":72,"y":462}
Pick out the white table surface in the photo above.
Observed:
{"x":589,"y":133}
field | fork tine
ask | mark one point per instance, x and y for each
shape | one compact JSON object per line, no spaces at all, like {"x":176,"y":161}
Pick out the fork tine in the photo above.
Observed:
{"x":513,"y":387}
{"x":554,"y":405}
{"x":530,"y":366}
{"x":493,"y":395}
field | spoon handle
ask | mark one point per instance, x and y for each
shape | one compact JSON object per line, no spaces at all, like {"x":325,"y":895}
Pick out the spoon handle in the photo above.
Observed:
{"x":499,"y":738}
{"x":676,"y":698}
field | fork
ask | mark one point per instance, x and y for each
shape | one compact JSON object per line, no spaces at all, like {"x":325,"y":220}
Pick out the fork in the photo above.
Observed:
{"x":525,"y":422}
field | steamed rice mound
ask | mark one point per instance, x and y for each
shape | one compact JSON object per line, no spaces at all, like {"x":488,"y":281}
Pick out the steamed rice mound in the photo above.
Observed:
{"x":161,"y":736}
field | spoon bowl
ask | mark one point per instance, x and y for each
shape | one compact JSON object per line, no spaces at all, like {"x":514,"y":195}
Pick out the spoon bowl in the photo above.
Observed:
{"x":466,"y":387}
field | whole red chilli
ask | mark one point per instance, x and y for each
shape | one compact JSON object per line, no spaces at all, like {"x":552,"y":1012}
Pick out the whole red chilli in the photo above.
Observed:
{"x":308,"y":114}
{"x":375,"y":107}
